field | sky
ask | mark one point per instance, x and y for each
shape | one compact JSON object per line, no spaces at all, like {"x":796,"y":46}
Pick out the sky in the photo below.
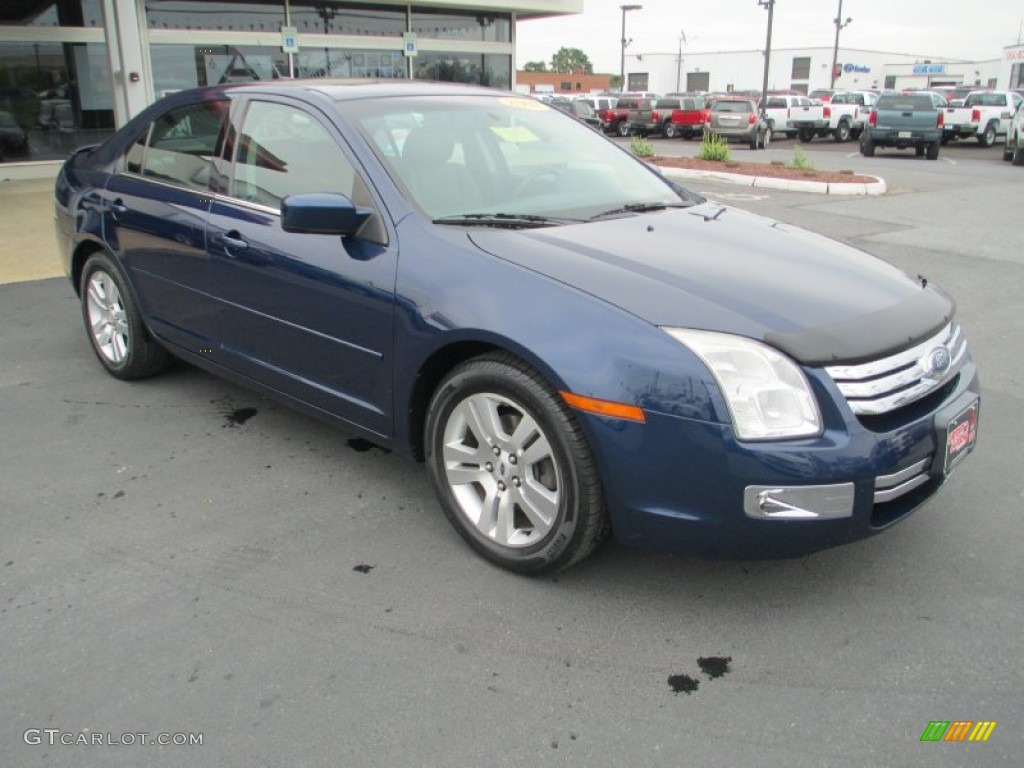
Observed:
{"x":976,"y":31}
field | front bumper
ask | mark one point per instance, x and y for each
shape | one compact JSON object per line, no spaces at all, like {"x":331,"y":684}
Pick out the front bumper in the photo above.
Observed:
{"x":690,"y":488}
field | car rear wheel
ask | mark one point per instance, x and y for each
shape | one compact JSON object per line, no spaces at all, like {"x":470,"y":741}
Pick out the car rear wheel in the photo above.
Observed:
{"x":933,"y":151}
{"x":670,"y":131}
{"x":867,"y":147}
{"x":988,"y":137}
{"x":806,"y":135}
{"x":624,"y":128}
{"x":512,"y":468}
{"x":1018,"y":156}
{"x":114,"y":323}
{"x":842,"y":132}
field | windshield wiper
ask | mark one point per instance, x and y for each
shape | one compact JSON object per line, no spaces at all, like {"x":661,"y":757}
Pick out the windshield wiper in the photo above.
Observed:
{"x":507,"y":220}
{"x":640,"y":208}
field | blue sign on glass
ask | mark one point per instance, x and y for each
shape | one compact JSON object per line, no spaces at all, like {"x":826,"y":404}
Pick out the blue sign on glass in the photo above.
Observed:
{"x":929,"y":69}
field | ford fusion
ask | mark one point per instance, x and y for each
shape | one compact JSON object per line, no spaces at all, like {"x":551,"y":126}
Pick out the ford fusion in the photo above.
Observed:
{"x":574,"y":345}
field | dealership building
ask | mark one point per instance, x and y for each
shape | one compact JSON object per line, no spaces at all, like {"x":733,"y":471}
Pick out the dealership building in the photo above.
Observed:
{"x":806,"y":69}
{"x":72,"y":71}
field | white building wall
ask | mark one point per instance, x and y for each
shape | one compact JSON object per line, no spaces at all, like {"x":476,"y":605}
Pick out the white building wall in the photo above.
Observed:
{"x":860,"y":69}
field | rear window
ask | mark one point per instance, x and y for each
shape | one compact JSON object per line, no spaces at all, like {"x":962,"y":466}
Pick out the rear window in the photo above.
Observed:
{"x":733,"y":106}
{"x":667,"y":104}
{"x":775,"y":104}
{"x":906,"y":103}
{"x":628,"y":104}
{"x":986,"y":100}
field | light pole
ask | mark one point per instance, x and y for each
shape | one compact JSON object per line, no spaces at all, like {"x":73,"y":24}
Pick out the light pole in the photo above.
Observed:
{"x":770,"y":5}
{"x":835,"y":48}
{"x":625,"y":42}
{"x":679,"y":60}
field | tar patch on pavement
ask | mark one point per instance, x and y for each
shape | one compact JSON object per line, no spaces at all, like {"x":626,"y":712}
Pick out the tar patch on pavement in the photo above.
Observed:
{"x":239,"y":416}
{"x":363,"y":568}
{"x":714,"y":666}
{"x":683,"y":684}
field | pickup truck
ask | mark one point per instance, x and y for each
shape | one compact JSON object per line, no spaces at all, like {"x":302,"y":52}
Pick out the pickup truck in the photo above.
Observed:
{"x":778,"y":111}
{"x":904,"y":120}
{"x":687,"y":121}
{"x":843,"y":117}
{"x":985,"y":115}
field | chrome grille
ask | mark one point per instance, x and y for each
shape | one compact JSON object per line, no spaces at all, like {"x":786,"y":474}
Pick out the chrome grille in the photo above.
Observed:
{"x":881,"y":386}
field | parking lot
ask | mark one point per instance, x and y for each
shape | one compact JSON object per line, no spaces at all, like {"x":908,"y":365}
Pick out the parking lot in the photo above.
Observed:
{"x":181,"y":556}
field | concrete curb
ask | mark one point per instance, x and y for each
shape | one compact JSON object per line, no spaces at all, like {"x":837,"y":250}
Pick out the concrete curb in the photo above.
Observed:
{"x":877,"y":187}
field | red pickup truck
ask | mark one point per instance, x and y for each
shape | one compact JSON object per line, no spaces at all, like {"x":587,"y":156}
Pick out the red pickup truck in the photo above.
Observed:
{"x":687,"y":121}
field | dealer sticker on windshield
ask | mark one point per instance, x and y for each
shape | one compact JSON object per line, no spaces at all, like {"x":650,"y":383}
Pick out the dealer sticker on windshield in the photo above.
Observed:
{"x":961,"y":435}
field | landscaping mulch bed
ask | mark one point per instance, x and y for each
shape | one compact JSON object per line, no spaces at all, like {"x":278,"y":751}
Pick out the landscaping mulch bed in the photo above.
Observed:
{"x":762,"y":169}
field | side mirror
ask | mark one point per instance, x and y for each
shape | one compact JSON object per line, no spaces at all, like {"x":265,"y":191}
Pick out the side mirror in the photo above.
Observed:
{"x":322,"y":213}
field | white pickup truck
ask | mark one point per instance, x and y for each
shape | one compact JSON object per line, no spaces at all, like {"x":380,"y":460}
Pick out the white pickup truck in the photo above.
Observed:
{"x":843,"y":117}
{"x":985,"y":115}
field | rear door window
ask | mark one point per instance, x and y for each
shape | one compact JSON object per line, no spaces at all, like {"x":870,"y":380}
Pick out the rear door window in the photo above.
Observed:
{"x":180,"y":145}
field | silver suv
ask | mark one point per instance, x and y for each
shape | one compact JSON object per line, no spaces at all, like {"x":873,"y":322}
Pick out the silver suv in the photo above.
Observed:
{"x":739,"y":119}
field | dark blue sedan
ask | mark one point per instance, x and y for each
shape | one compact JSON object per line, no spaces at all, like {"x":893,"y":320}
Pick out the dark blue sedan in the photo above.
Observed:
{"x":573,"y":344}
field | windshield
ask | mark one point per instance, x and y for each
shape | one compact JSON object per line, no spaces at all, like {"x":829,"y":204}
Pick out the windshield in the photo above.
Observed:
{"x":457,"y":155}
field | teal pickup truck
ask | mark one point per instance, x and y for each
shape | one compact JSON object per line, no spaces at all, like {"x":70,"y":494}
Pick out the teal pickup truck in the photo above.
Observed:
{"x":905,"y":120}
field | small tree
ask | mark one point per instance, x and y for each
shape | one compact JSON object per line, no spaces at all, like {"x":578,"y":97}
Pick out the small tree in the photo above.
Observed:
{"x":535,"y":66}
{"x":571,"y":60}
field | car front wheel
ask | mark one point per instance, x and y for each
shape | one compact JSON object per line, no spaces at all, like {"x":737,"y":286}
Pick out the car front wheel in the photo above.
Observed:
{"x":114,"y":323}
{"x":512,"y":468}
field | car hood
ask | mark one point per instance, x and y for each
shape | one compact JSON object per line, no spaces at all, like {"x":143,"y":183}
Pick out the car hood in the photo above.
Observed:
{"x":716,"y":268}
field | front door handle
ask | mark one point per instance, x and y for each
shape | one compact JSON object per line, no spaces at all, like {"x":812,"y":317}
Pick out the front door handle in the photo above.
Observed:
{"x":232,"y":240}
{"x":118,"y":208}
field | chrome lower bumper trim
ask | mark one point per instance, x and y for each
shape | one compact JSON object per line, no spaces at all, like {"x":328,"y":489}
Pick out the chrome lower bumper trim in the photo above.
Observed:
{"x":799,"y":502}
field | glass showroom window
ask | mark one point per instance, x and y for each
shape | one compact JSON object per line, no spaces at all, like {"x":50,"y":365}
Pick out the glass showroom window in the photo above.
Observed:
{"x":177,"y":67}
{"x":493,"y":70}
{"x":341,"y":62}
{"x":51,"y":13}
{"x":361,"y":19}
{"x":227,"y":15}
{"x":458,"y":25}
{"x":53,"y":98}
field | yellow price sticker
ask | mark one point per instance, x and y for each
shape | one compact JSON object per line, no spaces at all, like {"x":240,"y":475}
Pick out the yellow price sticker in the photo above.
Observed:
{"x":515,"y":134}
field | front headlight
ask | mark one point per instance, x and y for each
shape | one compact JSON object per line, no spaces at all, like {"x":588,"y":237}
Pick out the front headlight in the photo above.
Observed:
{"x":767,"y":393}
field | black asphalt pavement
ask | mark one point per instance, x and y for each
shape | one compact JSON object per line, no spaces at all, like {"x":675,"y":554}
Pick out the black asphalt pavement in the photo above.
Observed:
{"x":179,"y":556}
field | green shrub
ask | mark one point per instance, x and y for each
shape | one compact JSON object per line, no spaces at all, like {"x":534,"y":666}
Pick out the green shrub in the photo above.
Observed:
{"x":846,"y":172}
{"x":641,"y":147}
{"x":714,"y":147}
{"x":800,"y":161}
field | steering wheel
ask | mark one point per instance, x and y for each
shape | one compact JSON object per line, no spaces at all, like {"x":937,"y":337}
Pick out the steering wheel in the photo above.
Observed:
{"x":548,"y":175}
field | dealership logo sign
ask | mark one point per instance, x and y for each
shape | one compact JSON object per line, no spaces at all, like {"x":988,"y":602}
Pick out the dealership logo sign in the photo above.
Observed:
{"x":848,"y":68}
{"x":958,"y":730}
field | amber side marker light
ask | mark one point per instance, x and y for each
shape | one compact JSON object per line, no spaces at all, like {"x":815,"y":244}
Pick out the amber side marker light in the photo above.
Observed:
{"x":604,"y":407}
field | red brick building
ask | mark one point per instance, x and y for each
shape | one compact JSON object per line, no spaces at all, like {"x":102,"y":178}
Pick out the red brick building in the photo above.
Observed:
{"x":563,"y":82}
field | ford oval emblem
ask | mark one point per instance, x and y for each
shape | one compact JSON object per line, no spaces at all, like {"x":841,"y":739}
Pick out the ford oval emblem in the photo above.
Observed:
{"x":938,"y":363}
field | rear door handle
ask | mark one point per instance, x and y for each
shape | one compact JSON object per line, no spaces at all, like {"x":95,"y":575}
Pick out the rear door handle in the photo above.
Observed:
{"x":118,"y":208}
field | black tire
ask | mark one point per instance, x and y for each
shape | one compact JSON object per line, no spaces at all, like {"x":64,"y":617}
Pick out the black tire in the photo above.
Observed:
{"x":842,"y":132}
{"x":670,"y":130}
{"x":497,"y":483}
{"x":114,"y":324}
{"x":988,"y":137}
{"x":933,"y":151}
{"x":688,"y":135}
{"x":944,"y":140}
{"x":1018,"y":156}
{"x":867,"y":147}
{"x":755,"y":140}
{"x":1007,"y":154}
{"x":919,"y":150}
{"x":766,"y":139}
{"x":806,"y":135}
{"x":624,"y":128}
